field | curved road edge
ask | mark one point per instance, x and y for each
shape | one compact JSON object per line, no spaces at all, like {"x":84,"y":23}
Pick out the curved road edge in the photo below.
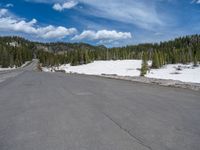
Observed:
{"x":32,"y":66}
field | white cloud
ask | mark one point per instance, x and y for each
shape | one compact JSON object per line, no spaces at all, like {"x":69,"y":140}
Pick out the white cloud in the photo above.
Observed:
{"x":3,"y":12}
{"x":9,"y":5}
{"x":66,"y":5}
{"x":103,"y":35}
{"x":142,"y":13}
{"x":198,"y":1}
{"x":138,"y":12}
{"x":195,"y":1}
{"x":9,"y":23}
{"x":56,"y":32}
{"x":57,"y":7}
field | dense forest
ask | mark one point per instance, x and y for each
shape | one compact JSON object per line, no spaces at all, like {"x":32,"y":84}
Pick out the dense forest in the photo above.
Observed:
{"x":14,"y":51}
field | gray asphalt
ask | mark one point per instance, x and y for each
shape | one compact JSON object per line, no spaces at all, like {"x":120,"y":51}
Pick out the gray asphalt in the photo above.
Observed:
{"x":55,"y":111}
{"x":7,"y":74}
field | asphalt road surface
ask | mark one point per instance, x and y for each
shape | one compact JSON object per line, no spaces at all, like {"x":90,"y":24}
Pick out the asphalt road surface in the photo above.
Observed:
{"x":55,"y":111}
{"x":7,"y":74}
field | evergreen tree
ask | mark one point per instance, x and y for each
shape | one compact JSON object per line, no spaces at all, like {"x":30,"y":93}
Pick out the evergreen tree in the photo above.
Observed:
{"x":181,"y":50}
{"x":195,"y":62}
{"x":155,"y":60}
{"x":144,"y":67}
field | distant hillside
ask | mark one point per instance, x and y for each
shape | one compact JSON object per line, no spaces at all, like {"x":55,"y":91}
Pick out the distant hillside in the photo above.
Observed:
{"x":63,"y":47}
{"x":50,"y":47}
{"x":16,"y":50}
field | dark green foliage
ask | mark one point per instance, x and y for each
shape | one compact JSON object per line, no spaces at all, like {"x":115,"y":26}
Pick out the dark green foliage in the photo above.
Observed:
{"x":14,"y":51}
{"x":181,"y":50}
{"x":144,"y":67}
{"x":155,"y":60}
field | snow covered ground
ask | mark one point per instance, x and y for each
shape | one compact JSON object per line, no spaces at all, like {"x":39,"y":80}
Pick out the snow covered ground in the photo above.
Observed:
{"x":5,"y":69}
{"x":118,"y":67}
{"x":185,"y":73}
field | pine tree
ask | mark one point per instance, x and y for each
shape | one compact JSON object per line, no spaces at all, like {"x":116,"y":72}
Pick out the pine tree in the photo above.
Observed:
{"x":86,"y":58}
{"x":195,"y":61}
{"x":155,"y":60}
{"x":144,"y":67}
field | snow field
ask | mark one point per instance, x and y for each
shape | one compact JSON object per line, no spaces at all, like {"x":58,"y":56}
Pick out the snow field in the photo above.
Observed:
{"x":185,"y":73}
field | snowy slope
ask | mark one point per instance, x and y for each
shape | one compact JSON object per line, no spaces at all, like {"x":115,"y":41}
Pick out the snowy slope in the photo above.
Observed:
{"x":185,"y":73}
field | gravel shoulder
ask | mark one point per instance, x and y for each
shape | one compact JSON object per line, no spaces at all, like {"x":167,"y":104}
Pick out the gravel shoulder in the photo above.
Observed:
{"x":161,"y":82}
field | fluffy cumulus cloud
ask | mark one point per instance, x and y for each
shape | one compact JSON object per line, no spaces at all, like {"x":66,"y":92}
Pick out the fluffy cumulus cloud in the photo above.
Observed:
{"x":9,"y":23}
{"x":56,"y":32}
{"x":103,"y":35}
{"x":66,"y":5}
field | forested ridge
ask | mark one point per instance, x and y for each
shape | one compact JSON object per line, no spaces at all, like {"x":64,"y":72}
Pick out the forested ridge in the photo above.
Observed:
{"x":14,"y":51}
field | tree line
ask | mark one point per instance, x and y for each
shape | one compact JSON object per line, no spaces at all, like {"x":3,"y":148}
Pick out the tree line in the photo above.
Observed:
{"x":180,"y":50}
{"x":14,"y":53}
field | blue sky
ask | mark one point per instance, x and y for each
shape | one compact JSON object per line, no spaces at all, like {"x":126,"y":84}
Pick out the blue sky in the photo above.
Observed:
{"x":108,"y":22}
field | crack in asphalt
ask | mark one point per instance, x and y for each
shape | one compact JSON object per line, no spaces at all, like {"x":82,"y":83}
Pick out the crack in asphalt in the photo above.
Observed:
{"x":128,"y":132}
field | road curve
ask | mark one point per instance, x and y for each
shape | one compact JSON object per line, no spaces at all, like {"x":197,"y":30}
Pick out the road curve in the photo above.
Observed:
{"x":7,"y":74}
{"x":54,"y":111}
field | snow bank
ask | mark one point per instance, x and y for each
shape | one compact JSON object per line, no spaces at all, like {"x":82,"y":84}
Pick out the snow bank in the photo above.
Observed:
{"x":25,"y":64}
{"x":5,"y":69}
{"x":185,"y":73}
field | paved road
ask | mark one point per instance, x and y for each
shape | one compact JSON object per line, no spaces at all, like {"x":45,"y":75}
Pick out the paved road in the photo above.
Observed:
{"x":7,"y":74}
{"x":46,"y":111}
